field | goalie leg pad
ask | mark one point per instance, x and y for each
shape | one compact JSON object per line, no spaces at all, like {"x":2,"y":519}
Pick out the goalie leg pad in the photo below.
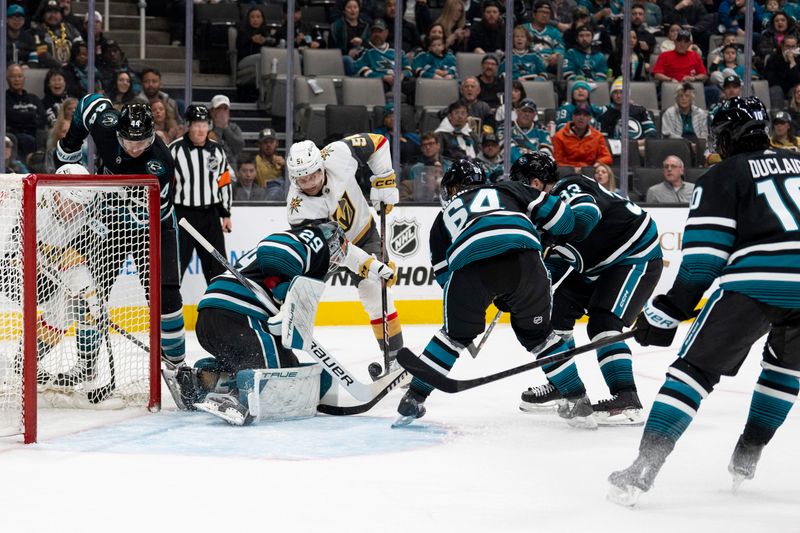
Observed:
{"x":280,"y":394}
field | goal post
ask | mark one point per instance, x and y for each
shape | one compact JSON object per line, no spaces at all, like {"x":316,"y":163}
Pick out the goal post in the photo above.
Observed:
{"x":79,"y":295}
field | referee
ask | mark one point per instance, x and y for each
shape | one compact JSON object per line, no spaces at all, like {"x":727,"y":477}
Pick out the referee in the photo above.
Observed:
{"x":202,"y":190}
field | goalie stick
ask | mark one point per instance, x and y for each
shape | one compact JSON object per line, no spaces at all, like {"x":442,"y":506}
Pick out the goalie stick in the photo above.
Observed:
{"x":359,"y":390}
{"x":433,"y":377}
{"x":402,"y":379}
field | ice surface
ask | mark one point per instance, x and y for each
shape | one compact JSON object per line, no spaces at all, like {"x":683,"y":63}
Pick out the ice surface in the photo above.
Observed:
{"x":474,"y":463}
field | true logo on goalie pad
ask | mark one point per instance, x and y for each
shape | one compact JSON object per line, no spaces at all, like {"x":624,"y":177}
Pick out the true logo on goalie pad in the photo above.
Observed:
{"x":404,"y":237}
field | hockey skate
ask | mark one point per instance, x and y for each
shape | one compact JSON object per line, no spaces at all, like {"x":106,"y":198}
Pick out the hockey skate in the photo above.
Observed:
{"x":578,"y":412}
{"x":183,"y":386}
{"x":622,"y":409}
{"x":541,"y":399}
{"x":411,"y":407}
{"x":744,"y":461}
{"x":627,"y":485}
{"x":226,"y":407}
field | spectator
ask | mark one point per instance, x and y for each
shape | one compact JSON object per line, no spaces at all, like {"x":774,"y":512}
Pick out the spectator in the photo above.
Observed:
{"x":225,"y":132}
{"x":436,"y":31}
{"x":605,"y":177}
{"x":370,"y":9}
{"x":783,"y":134}
{"x":794,"y":106}
{"x":378,"y":59}
{"x":69,"y":16}
{"x":77,"y":72}
{"x":604,"y":12}
{"x":731,"y":87}
{"x":517,"y":95}
{"x":601,"y":39}
{"x":491,"y":85}
{"x":349,"y":34}
{"x":20,"y":46}
{"x":252,"y":35}
{"x":113,"y":60}
{"x":488,"y":35}
{"x":729,"y":64}
{"x":55,"y":37}
{"x":151,"y":90}
{"x":578,"y":144}
{"x":13,"y":165}
{"x":99,"y":38}
{"x":424,"y":177}
{"x":305,"y":35}
{"x":772,"y":37}
{"x":692,"y":14}
{"x":673,"y":190}
{"x":582,"y":62}
{"x":732,"y":12}
{"x":25,"y":116}
{"x":715,"y":55}
{"x":680,"y":65}
{"x":409,"y":142}
{"x":55,"y":92}
{"x":410,"y":39}
{"x":176,"y":13}
{"x":122,"y":93}
{"x":245,"y":189}
{"x":456,"y":137}
{"x":456,"y":31}
{"x":653,"y":15}
{"x":640,"y":123}
{"x":684,"y":120}
{"x":564,"y":12}
{"x":470,"y":93}
{"x":526,"y":136}
{"x":491,"y":156}
{"x":644,"y":35}
{"x":782,"y":71}
{"x":580,"y":94}
{"x":437,"y":63}
{"x":269,"y":165}
{"x":164,"y":122}
{"x":639,"y":66}
{"x":668,"y":44}
{"x":525,"y":64}
{"x":546,"y":40}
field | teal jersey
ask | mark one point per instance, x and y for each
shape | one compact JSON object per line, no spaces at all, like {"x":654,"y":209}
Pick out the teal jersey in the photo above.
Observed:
{"x":426,"y":64}
{"x":546,"y":42}
{"x":524,"y":141}
{"x":527,"y":64}
{"x":377,"y":63}
{"x":591,"y":66}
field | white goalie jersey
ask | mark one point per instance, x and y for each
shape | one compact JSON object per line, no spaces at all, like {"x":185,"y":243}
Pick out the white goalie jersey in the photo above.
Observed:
{"x":341,"y":197}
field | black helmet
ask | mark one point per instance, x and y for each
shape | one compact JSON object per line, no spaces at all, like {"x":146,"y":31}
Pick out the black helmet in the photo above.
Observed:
{"x":539,"y":165}
{"x":135,"y":122}
{"x":196,"y":113}
{"x":464,"y":174}
{"x":740,"y":125}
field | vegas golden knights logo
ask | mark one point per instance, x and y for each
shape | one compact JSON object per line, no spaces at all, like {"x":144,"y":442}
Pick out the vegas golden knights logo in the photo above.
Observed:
{"x":345,"y":213}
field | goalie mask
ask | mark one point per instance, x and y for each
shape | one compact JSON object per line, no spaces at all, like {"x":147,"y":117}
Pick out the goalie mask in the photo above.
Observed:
{"x":337,"y":243}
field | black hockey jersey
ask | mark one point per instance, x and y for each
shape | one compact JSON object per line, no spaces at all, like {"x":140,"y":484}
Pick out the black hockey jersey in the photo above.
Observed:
{"x":744,"y":228}
{"x":272,"y":265}
{"x":490,"y":220}
{"x":96,"y":117}
{"x":609,"y":229}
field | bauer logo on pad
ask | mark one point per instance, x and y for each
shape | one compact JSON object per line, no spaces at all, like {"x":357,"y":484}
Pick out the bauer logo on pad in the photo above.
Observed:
{"x":404,"y":237}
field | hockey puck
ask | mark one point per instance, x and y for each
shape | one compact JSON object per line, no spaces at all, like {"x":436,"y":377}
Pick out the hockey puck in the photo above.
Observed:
{"x":375,"y":370}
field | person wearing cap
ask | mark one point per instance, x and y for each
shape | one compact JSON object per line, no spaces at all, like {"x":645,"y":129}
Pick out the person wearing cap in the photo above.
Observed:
{"x":782,"y":70}
{"x":437,"y":63}
{"x":783,"y":134}
{"x":578,"y":144}
{"x":582,"y":61}
{"x":491,"y":84}
{"x":488,"y":35}
{"x":269,"y":164}
{"x":458,"y":139}
{"x":202,"y":191}
{"x":640,"y":122}
{"x":20,"y":45}
{"x":55,"y":37}
{"x":601,"y":40}
{"x":151,"y":89}
{"x":525,"y":64}
{"x":99,"y":39}
{"x":378,"y":59}
{"x":526,"y":135}
{"x":684,"y":120}
{"x":112,"y":61}
{"x":25,"y":115}
{"x":225,"y":132}
{"x":546,"y":40}
{"x":580,"y":94}
{"x":491,"y":157}
{"x":731,"y":87}
{"x":680,"y":65}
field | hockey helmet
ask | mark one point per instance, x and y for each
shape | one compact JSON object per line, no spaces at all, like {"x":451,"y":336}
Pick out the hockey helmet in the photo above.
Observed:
{"x":72,"y":168}
{"x":197,"y":113}
{"x":76,"y":195}
{"x":536,"y":165}
{"x":136,"y":122}
{"x":740,"y":125}
{"x":304,"y":159}
{"x":462,"y":175}
{"x":337,"y":243}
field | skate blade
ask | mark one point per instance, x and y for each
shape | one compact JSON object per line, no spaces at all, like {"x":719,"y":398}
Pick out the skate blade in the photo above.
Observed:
{"x":231,"y":416}
{"x":538,"y":408}
{"x":737,"y":481}
{"x":403,"y":421}
{"x":174,"y":389}
{"x":582,"y":422}
{"x":626,"y":496}
{"x":627,"y":417}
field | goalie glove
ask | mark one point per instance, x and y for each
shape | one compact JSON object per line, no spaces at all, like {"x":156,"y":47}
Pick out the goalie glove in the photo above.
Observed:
{"x":275,"y":323}
{"x":657,"y":323}
{"x":384,"y":192}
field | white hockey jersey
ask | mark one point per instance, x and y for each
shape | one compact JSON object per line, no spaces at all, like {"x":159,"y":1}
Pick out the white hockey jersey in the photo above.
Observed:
{"x":341,"y":197}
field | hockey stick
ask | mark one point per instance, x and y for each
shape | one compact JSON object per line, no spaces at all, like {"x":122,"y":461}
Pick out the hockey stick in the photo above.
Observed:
{"x":433,"y":377}
{"x":360,"y":391}
{"x":472,"y":348}
{"x":402,"y":379}
{"x":102,"y":393}
{"x":384,"y":296}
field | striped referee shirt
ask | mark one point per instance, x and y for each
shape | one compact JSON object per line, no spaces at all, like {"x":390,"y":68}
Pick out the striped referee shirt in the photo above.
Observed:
{"x":202,"y":175}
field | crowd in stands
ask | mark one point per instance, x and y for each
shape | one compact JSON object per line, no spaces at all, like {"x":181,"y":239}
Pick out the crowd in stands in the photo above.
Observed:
{"x":690,"y":51}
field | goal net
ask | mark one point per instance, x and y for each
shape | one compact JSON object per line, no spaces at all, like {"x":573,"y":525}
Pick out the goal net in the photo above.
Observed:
{"x":79,"y":294}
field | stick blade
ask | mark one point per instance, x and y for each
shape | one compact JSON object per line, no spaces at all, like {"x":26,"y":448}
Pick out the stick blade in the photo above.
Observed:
{"x":426,"y":373}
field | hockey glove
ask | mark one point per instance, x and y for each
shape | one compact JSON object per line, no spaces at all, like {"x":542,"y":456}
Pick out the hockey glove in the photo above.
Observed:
{"x":275,"y":323}
{"x":384,"y":191}
{"x":374,"y":268}
{"x":63,"y":155}
{"x":656,"y":324}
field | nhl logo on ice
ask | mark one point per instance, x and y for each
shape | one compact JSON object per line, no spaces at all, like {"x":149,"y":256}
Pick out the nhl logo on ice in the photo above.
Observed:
{"x":404,"y":237}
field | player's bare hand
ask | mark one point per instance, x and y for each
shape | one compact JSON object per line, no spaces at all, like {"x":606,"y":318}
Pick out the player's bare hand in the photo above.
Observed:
{"x":227,"y":225}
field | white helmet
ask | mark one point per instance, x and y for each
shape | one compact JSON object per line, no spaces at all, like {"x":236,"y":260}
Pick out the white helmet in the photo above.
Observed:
{"x":77,"y":195}
{"x":304,"y":159}
{"x":72,"y":168}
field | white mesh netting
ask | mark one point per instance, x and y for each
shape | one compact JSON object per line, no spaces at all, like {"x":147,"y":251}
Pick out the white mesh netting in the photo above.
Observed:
{"x":92,"y":313}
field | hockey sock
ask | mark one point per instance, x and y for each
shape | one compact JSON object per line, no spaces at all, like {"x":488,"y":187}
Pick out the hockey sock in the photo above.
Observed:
{"x":87,"y":338}
{"x":773,"y":397}
{"x":395,"y":332}
{"x":616,"y":366}
{"x":563,"y":375}
{"x":173,"y":336}
{"x":441,"y":353}
{"x":677,"y":401}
